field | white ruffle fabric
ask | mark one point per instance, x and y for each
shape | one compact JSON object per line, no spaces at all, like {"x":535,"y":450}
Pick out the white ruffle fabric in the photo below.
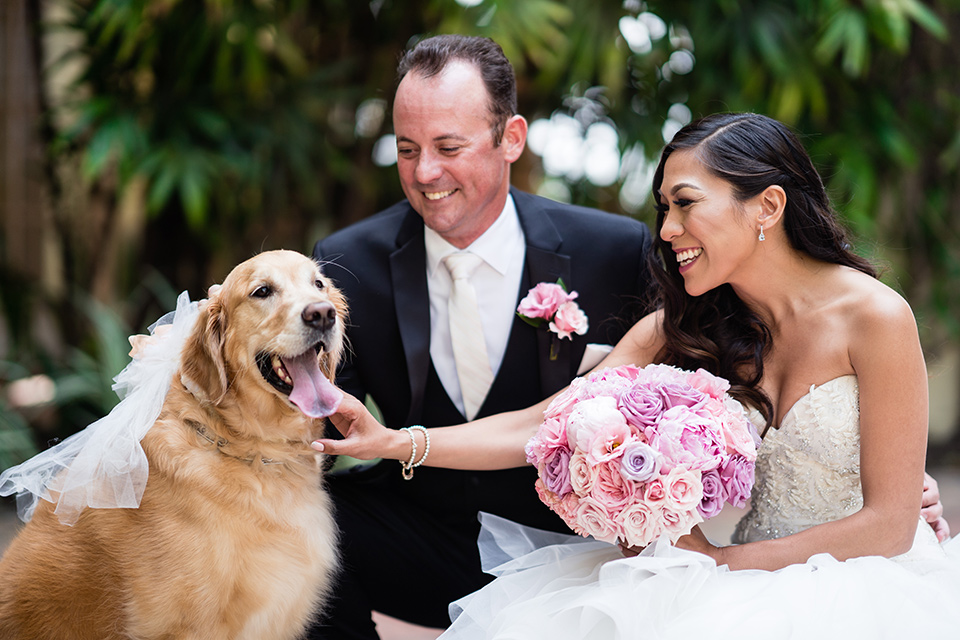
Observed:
{"x":104,"y":466}
{"x":583,"y":589}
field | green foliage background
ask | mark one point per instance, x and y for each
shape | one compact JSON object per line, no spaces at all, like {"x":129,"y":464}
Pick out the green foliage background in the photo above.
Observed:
{"x":223,"y":127}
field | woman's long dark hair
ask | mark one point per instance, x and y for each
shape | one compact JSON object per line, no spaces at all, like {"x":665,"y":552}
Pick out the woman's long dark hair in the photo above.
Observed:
{"x":717,"y":331}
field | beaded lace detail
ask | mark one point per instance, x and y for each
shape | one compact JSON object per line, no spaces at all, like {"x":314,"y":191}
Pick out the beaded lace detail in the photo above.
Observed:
{"x":808,"y":470}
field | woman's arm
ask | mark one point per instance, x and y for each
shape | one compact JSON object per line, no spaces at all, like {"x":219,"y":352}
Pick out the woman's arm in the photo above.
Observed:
{"x":885,"y":353}
{"x":494,"y":442}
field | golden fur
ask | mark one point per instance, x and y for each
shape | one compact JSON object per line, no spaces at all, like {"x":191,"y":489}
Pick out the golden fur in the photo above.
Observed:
{"x":224,"y":545}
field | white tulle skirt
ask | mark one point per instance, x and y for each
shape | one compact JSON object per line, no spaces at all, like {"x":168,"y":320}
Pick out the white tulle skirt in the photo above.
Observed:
{"x":557,"y":587}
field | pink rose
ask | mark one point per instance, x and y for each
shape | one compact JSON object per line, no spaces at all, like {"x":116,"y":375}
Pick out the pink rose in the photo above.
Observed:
{"x":679,"y":523}
{"x":611,"y":489}
{"x":596,"y":521}
{"x":589,"y":417}
{"x":561,"y":406}
{"x":682,"y":489}
{"x":543,"y":301}
{"x":686,"y":438}
{"x":738,"y":432}
{"x":714,"y":494}
{"x":569,"y":319}
{"x":551,"y":435}
{"x":566,"y":508}
{"x":582,"y":474}
{"x":710,"y":384}
{"x":737,"y":474}
{"x":654,"y":492}
{"x":641,"y":524}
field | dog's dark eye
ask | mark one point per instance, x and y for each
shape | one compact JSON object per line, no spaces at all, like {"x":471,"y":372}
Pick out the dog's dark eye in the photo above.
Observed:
{"x":319,"y":284}
{"x":262,"y":292}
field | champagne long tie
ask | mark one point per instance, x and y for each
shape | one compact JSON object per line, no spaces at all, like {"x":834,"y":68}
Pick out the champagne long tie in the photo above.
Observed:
{"x":466,"y":331}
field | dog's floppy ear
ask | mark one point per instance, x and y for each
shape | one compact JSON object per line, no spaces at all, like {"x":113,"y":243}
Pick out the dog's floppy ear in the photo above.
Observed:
{"x":203,"y":369}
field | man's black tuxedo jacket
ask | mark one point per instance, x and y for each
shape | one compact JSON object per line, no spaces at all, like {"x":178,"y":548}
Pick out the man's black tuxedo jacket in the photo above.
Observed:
{"x":380,"y":264}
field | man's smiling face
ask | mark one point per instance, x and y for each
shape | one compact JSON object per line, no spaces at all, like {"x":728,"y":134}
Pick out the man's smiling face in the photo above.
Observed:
{"x":451,"y":169}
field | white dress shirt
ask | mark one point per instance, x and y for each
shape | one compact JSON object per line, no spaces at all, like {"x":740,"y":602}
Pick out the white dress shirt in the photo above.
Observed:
{"x":497,"y":283}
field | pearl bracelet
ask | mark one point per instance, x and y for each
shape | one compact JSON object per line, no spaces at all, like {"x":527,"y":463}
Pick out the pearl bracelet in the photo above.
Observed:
{"x":409,"y":466}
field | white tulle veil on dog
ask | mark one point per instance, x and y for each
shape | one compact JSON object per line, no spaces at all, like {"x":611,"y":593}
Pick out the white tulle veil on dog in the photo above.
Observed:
{"x":104,"y":465}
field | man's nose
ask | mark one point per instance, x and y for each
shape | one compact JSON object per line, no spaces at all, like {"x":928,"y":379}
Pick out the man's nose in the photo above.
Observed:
{"x":429,"y":168}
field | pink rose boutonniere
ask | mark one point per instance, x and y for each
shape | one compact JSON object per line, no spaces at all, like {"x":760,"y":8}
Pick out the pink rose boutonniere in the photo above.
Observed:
{"x":551,"y":305}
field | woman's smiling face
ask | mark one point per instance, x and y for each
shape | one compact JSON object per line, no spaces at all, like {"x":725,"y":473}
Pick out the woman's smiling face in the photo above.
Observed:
{"x":708,"y":229}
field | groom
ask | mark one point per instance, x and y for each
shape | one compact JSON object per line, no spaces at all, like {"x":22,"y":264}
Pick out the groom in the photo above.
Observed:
{"x":409,"y":548}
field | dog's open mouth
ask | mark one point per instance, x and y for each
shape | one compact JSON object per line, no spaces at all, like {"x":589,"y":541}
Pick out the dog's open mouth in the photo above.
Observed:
{"x":299,"y":378}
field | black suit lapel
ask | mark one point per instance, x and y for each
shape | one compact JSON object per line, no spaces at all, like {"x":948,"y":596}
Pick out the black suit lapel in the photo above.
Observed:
{"x":412,"y":304}
{"x":545,"y":263}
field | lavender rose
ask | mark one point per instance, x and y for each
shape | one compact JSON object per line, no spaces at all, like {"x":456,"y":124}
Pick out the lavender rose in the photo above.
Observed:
{"x":714,"y":494}
{"x":556,"y":471}
{"x":641,"y":405}
{"x":681,"y":394}
{"x":639,"y":462}
{"x":737,"y":474}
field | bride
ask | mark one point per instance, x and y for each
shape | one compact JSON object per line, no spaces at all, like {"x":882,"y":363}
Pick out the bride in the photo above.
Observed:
{"x":757,"y":285}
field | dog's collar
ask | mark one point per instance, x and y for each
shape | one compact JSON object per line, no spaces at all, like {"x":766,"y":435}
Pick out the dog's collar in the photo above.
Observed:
{"x":220,"y":443}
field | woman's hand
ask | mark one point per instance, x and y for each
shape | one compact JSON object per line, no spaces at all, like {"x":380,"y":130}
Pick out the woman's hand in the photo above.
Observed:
{"x":932,"y":508}
{"x":698,"y":542}
{"x":363,"y":437}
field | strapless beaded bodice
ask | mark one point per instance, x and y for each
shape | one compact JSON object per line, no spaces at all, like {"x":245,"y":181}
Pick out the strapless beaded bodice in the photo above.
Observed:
{"x":808,"y":470}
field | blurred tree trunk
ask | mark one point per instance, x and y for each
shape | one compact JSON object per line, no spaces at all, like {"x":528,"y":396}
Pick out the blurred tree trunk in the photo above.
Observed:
{"x":22,"y":204}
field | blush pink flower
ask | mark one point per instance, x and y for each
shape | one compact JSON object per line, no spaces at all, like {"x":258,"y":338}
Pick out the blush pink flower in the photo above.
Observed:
{"x":589,"y":417}
{"x":596,"y":520}
{"x":582,"y":474}
{"x":712,"y":385}
{"x":654,"y":492}
{"x":641,"y":524}
{"x":608,"y":441}
{"x":569,"y":319}
{"x":679,"y":523}
{"x":543,"y":301}
{"x":611,"y":489}
{"x":682,"y":489}
{"x":686,"y":438}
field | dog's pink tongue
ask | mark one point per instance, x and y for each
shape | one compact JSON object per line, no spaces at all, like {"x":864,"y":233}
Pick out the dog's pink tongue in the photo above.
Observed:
{"x":312,"y":392}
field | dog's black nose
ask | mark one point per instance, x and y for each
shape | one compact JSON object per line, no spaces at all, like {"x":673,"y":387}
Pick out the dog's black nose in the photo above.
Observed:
{"x":319,"y":315}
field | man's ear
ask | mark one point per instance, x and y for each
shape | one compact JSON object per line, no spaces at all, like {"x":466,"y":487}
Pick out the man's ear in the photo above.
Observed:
{"x":203,"y":369}
{"x":772,"y":202}
{"x":514,"y":138}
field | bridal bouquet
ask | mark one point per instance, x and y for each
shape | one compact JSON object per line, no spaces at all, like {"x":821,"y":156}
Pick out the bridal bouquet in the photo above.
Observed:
{"x":629,"y":454}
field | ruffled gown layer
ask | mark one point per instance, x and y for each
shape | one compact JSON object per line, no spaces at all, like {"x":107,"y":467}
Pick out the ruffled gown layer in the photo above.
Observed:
{"x":557,"y":587}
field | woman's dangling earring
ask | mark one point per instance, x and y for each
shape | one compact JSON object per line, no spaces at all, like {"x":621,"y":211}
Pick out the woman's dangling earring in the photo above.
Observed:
{"x":762,"y":237}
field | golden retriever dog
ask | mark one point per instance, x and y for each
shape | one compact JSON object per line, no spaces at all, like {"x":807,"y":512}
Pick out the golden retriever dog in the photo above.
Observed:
{"x":234,"y":536}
